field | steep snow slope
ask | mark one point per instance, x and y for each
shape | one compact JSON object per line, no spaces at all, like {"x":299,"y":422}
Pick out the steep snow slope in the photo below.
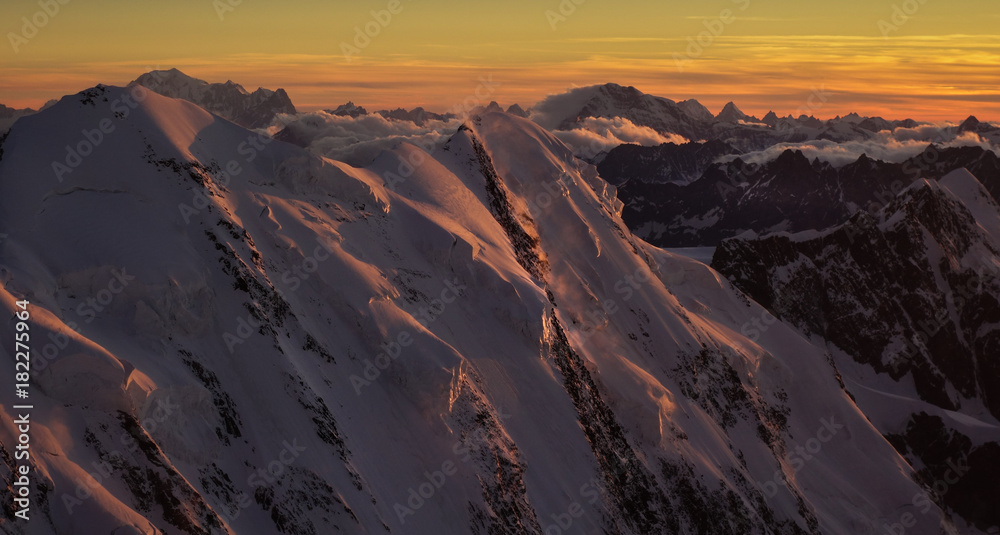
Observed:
{"x":233,"y":335}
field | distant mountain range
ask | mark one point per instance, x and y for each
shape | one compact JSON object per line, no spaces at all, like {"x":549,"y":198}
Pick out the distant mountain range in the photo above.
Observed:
{"x":252,"y":110}
{"x":9,"y":115}
{"x":790,"y":193}
{"x":693,"y":121}
{"x":566,"y":111}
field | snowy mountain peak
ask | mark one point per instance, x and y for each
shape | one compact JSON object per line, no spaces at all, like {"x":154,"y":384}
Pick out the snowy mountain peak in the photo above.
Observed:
{"x":853,"y":118}
{"x":696,"y":110}
{"x":971,"y":124}
{"x":492,"y":107}
{"x":175,"y":81}
{"x":349,"y":110}
{"x":229,"y":100}
{"x":731,"y":114}
{"x":516,"y":110}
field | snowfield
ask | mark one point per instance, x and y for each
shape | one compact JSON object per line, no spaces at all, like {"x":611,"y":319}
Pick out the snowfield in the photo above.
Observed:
{"x":231,"y":335}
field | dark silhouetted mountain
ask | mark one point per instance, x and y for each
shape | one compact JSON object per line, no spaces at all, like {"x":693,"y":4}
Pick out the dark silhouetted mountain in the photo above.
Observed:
{"x":9,"y":115}
{"x":790,"y":193}
{"x":911,"y":292}
{"x":668,"y":162}
{"x":417,"y":116}
{"x":348,"y":110}
{"x":731,"y":114}
{"x":517,"y":111}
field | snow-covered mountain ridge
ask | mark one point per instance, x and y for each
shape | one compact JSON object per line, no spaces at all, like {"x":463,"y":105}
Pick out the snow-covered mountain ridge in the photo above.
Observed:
{"x":205,"y":300}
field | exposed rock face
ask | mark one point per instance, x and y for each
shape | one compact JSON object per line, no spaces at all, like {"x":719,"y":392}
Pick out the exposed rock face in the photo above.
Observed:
{"x":349,"y":110}
{"x":417,"y":116}
{"x":731,"y":114}
{"x":888,"y":289}
{"x":789,"y":193}
{"x":911,"y":292}
{"x":661,"y":164}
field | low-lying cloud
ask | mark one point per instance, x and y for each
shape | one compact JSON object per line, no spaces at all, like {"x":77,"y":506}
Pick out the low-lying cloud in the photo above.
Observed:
{"x":594,"y":135}
{"x":892,"y":147}
{"x":357,"y":141}
{"x":554,"y":110}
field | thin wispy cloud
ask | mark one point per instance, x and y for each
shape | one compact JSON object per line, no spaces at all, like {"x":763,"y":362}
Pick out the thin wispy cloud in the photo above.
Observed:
{"x":931,"y":77}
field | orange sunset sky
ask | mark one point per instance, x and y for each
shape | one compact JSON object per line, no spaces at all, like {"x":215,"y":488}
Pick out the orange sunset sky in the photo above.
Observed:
{"x":939,"y":62}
